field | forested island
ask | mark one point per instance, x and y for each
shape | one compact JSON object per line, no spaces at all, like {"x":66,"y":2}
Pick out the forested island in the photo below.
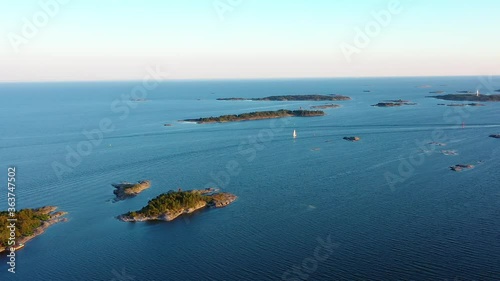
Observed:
{"x":467,"y":97}
{"x":393,"y":103}
{"x":168,"y":206}
{"x":30,"y":223}
{"x":258,"y":116}
{"x":295,"y":98}
{"x":126,"y":190}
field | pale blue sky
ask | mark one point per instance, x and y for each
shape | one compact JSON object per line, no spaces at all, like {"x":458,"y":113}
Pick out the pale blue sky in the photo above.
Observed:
{"x":119,"y":39}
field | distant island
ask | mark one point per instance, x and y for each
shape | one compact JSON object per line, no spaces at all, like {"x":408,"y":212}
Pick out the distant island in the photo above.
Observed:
{"x":353,"y":139}
{"x":393,"y":103}
{"x":495,"y":136}
{"x":467,"y":97}
{"x":30,"y":223}
{"x":325,"y":106}
{"x":126,"y":190}
{"x":294,"y":98}
{"x":462,"y":104}
{"x":170,"y":205}
{"x":258,"y":116}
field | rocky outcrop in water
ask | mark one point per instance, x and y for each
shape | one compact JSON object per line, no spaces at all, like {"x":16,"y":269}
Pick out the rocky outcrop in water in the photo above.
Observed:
{"x":126,"y":190}
{"x":461,"y":167}
{"x":352,"y":138}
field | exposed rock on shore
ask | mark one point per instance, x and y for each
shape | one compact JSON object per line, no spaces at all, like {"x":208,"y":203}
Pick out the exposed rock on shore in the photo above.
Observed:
{"x":126,"y":190}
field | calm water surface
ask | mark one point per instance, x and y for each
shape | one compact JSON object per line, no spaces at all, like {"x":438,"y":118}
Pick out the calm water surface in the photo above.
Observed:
{"x":433,"y":224}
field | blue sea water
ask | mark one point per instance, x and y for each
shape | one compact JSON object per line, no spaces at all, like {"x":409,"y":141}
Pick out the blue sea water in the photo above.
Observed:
{"x":384,"y":208}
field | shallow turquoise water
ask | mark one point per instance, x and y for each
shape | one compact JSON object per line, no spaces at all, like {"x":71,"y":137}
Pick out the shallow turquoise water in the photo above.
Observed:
{"x":433,"y":225}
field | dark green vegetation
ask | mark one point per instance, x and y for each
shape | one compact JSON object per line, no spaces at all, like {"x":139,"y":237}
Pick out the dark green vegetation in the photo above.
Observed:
{"x":295,"y":98}
{"x":171,"y":201}
{"x":393,"y":103}
{"x":468,"y":97}
{"x":27,"y":221}
{"x":258,"y":115}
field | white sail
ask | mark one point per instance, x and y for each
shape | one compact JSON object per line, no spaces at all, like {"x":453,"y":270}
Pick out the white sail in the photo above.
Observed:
{"x":294,"y":134}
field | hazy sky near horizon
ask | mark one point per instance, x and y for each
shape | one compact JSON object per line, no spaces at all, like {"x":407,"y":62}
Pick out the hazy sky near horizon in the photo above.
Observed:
{"x":120,"y":39}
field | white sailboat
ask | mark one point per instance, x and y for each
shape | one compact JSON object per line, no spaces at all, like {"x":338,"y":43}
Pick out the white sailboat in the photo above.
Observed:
{"x":477,"y":93}
{"x":294,"y":134}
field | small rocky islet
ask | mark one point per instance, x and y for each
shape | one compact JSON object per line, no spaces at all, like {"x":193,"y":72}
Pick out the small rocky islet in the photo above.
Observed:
{"x":352,"y":139}
{"x":461,"y":167}
{"x":127,"y":190}
{"x":168,"y":206}
{"x":325,"y":106}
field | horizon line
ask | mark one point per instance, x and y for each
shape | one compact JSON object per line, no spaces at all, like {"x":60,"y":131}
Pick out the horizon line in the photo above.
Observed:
{"x":244,"y":79}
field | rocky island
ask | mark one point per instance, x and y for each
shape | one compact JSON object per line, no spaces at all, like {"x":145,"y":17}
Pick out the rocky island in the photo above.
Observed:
{"x":460,"y":167}
{"x":467,"y":97}
{"x":294,"y":98}
{"x":258,"y":116}
{"x":352,"y":138}
{"x":126,"y":190}
{"x":495,"y":136}
{"x":325,"y":106}
{"x":30,"y":223}
{"x":463,"y":104}
{"x":170,"y":205}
